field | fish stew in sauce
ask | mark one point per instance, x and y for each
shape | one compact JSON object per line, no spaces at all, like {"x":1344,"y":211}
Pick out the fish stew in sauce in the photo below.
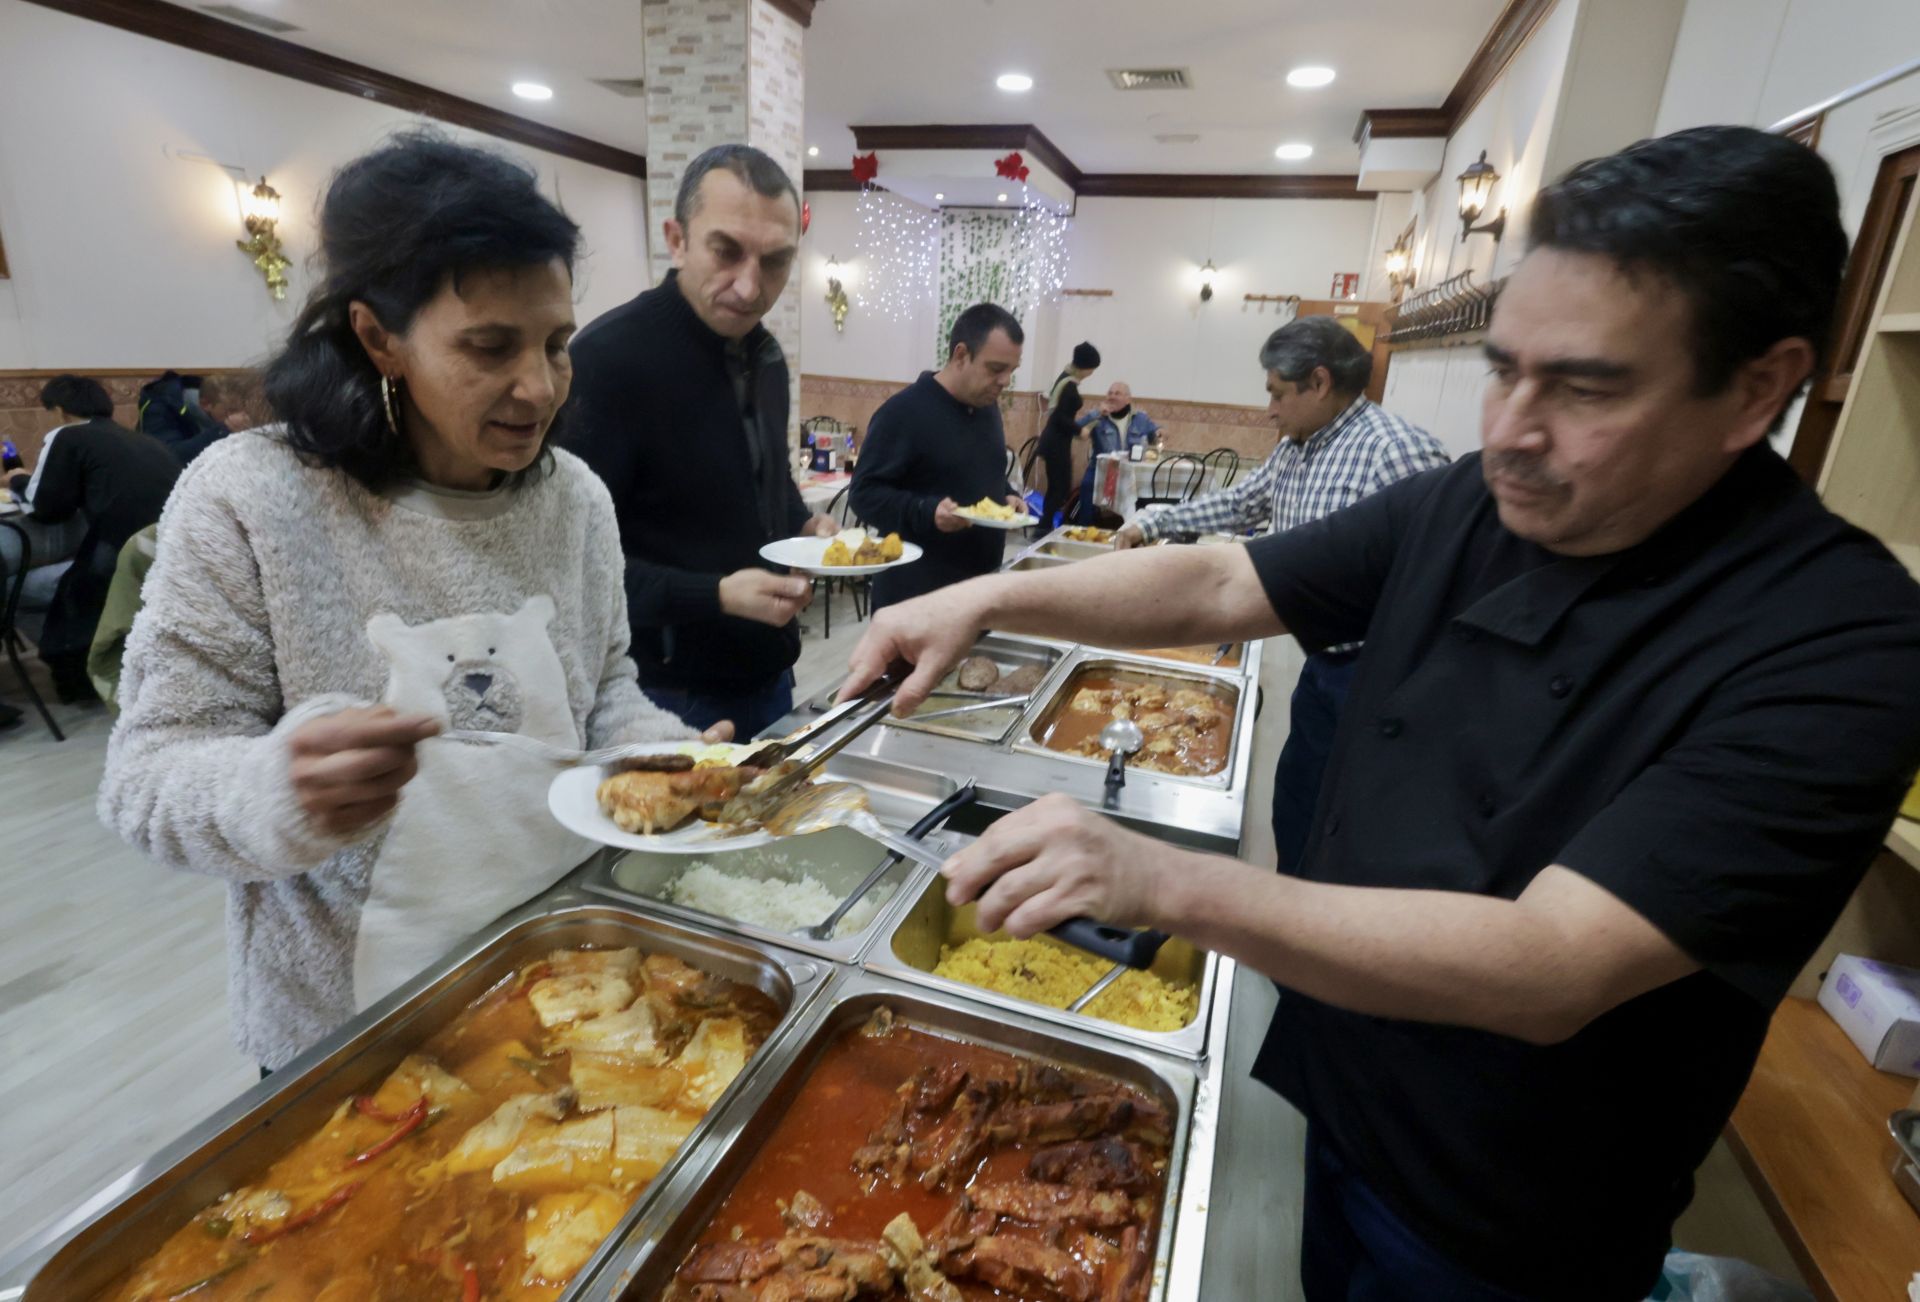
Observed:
{"x":490,"y":1164}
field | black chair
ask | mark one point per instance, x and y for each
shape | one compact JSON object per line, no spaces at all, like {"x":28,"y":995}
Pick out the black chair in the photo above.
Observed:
{"x":1174,"y":481}
{"x":1029,"y":453}
{"x":1222,"y":466}
{"x":11,"y":586}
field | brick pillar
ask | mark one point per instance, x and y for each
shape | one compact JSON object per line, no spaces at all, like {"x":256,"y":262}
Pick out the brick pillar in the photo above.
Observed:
{"x":721,"y":71}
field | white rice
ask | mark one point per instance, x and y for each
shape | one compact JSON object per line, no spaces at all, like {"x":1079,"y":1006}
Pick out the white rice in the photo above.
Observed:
{"x":771,"y":902}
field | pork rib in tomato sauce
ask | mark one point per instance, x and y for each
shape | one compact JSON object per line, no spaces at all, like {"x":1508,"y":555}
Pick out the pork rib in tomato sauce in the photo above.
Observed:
{"x":910,"y":1166}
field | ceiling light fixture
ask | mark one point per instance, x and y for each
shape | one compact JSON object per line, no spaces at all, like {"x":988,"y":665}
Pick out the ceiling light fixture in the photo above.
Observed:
{"x":1310,"y":77}
{"x":813,"y":151}
{"x":939,"y":198}
{"x":1003,"y":198}
{"x":1014,"y":82}
{"x":1294,"y":152}
{"x":532,"y":90}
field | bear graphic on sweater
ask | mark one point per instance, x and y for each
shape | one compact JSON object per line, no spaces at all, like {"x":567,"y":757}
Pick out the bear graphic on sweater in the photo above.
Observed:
{"x":486,"y":672}
{"x":472,"y":837}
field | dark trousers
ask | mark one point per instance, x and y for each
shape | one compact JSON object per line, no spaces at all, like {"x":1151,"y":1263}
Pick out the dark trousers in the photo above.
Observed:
{"x":1354,"y":1249}
{"x":1059,"y":463}
{"x":752,"y":712}
{"x":1317,"y":701}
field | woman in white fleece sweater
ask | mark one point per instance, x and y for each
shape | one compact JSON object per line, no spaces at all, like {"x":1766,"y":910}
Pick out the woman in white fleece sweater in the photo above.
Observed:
{"x":405,"y":553}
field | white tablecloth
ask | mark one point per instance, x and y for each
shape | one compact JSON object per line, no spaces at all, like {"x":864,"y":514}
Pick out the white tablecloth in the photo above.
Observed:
{"x":818,"y":491}
{"x":1118,"y":482}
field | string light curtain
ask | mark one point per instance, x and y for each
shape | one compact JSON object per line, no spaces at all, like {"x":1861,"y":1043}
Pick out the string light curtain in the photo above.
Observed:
{"x":898,"y":244}
{"x":1016,"y":258}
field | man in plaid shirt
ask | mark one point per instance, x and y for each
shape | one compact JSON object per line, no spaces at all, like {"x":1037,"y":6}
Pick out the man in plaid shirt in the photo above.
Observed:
{"x":1336,"y":447}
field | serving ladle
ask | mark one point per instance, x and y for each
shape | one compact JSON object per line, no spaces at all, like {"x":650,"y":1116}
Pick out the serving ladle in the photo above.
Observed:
{"x":1121,"y":738}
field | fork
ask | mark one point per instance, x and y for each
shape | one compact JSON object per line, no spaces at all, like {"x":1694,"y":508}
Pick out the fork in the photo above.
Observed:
{"x":551,"y":753}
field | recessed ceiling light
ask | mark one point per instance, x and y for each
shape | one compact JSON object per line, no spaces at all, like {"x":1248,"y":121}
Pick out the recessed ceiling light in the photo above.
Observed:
{"x":813,"y":151}
{"x":939,"y":198}
{"x":1309,"y":77}
{"x":1293,"y":153}
{"x":532,"y":90}
{"x":1003,"y":198}
{"x":1014,"y":81}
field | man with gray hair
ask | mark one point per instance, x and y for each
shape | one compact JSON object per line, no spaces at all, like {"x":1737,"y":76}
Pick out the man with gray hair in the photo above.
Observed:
{"x":1336,"y":447}
{"x":680,"y":403}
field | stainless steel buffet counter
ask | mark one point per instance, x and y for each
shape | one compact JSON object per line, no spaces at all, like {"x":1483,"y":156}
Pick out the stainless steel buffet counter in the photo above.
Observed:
{"x":619,"y":898}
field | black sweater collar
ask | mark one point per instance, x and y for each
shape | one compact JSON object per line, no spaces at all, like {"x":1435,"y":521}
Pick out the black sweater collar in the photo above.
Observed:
{"x":680,"y":312}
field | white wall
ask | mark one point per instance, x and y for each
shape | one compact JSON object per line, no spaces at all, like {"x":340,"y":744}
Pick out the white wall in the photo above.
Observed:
{"x":122,"y":251}
{"x":1759,"y":61}
{"x":1153,"y":331}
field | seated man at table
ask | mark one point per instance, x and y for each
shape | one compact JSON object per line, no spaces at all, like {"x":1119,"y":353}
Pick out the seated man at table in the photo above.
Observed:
{"x":938,"y":446}
{"x":1118,"y":427}
{"x":120,"y":480}
{"x":1336,"y":447}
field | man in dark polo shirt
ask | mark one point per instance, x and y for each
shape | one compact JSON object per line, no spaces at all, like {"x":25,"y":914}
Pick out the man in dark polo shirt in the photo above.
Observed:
{"x":938,"y":446}
{"x":1634,"y":713}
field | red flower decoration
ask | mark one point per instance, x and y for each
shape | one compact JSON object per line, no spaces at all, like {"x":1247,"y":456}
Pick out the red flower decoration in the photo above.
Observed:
{"x":806,"y":215}
{"x":866,"y":167}
{"x":1013,"y":167}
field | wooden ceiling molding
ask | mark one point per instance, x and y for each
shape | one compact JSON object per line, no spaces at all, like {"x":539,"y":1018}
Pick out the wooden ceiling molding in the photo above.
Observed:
{"x":184,"y":27}
{"x":1177,"y":185}
{"x":1033,"y":142}
{"x":829,"y":180}
{"x":1509,"y":33}
{"x":801,"y":11}
{"x":1023,"y":136}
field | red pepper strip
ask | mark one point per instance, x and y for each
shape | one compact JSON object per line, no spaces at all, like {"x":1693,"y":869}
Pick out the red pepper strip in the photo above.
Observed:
{"x":469,"y":1283}
{"x":409,"y":1122}
{"x":366,"y":1107}
{"x":301,"y":1220}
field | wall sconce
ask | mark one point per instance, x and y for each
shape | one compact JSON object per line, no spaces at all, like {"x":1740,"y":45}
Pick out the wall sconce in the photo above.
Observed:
{"x":1399,"y":264}
{"x":836,"y":295}
{"x":260,"y":210}
{"x":1476,"y":189}
{"x":1207,"y":273}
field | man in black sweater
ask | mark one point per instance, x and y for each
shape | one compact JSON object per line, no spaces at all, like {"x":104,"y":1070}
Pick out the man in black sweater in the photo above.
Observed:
{"x":120,"y":480}
{"x":680,"y":404}
{"x":938,"y":445}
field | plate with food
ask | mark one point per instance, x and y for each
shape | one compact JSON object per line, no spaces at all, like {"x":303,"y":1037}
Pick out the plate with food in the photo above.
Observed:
{"x":670,"y":802}
{"x":849,"y":553}
{"x":1086,"y":533}
{"x":990,"y":514}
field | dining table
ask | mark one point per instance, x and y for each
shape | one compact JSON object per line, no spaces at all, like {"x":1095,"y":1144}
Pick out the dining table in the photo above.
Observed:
{"x":1119,"y":482}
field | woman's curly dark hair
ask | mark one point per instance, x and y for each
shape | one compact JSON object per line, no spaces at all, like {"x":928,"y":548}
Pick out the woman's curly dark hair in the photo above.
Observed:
{"x":397,"y":224}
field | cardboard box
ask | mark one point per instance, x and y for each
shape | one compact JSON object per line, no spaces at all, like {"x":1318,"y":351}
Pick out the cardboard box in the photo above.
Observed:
{"x":1878,"y":1006}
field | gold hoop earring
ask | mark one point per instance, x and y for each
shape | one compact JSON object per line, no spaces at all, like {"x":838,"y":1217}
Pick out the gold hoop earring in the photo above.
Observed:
{"x":390,"y":400}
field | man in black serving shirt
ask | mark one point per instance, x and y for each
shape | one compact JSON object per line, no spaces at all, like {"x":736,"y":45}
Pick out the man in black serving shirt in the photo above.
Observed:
{"x":1634,"y":713}
{"x":679,"y":403}
{"x":937,"y":446}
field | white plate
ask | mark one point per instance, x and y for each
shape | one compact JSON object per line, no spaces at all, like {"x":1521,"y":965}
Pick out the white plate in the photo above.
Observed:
{"x":573,"y":801}
{"x":983,"y":522}
{"x":805,"y":553}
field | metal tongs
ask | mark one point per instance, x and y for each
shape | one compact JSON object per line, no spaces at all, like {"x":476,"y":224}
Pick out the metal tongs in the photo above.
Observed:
{"x":790,"y":768}
{"x":940,"y":813}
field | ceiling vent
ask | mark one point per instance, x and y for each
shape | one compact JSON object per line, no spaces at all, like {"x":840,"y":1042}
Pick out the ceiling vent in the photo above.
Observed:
{"x":1179,"y":138}
{"x":1149,"y":78}
{"x":247,"y":18}
{"x":630,"y":87}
